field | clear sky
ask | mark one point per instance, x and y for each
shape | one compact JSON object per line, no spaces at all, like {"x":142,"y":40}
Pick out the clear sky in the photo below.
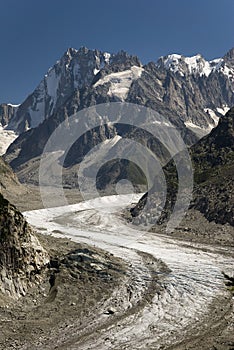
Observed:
{"x":36,"y":33}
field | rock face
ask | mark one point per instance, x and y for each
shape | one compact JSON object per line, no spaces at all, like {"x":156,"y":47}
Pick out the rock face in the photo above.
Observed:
{"x":10,"y":187}
{"x":7,"y":112}
{"x":173,"y":81}
{"x":190,"y":92}
{"x":21,"y":255}
{"x":213,"y":159}
{"x":213,"y":163}
{"x":76,"y":70}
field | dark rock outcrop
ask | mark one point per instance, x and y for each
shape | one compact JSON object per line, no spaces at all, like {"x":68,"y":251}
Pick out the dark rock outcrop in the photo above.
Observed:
{"x":21,"y":256}
{"x":213,"y":163}
{"x":7,"y":112}
{"x":213,"y":159}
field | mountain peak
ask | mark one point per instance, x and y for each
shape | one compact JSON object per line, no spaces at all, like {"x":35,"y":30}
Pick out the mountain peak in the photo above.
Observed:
{"x":182,"y":65}
{"x":70,"y":51}
{"x":229,"y":57}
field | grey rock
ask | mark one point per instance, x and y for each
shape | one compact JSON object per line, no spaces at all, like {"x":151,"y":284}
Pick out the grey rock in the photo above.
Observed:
{"x":21,"y":255}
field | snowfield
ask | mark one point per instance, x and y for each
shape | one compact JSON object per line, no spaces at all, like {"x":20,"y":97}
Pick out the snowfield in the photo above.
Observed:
{"x":185,"y":297}
{"x":120,"y":82}
{"x":6,"y":138}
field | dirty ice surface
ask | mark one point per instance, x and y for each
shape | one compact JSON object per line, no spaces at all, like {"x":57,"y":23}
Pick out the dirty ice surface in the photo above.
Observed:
{"x":194,"y":283}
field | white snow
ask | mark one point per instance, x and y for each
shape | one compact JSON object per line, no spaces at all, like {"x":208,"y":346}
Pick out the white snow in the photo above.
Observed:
{"x":120,"y":82}
{"x":216,"y":63}
{"x":6,"y":138}
{"x":171,"y":62}
{"x":96,"y":71}
{"x":12,"y":105}
{"x":107,"y":57}
{"x":229,"y":72}
{"x":113,"y":141}
{"x":194,"y":282}
{"x":190,"y":124}
{"x":199,"y":130}
{"x":162,"y":123}
{"x":196,"y":65}
{"x":223,"y":110}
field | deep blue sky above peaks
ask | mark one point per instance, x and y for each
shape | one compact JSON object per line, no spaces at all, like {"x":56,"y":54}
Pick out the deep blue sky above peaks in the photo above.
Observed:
{"x":35,"y":34}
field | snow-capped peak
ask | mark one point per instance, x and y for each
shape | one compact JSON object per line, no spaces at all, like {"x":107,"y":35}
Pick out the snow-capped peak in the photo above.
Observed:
{"x":170,"y":62}
{"x":195,"y":65}
{"x":75,"y":70}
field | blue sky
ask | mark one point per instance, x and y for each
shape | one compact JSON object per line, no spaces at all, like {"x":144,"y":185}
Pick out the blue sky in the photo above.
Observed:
{"x":34,"y":34}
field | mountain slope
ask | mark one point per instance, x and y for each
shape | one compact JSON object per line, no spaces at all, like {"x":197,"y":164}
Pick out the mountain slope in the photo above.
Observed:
{"x":8,"y":180}
{"x":21,"y":255}
{"x":76,"y":70}
{"x":213,"y":159}
{"x":84,"y":68}
{"x":213,"y":163}
{"x":190,"y":92}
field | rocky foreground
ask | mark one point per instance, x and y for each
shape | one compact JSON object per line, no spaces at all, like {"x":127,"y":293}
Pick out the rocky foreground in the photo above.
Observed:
{"x":171,"y":293}
{"x":22,"y":258}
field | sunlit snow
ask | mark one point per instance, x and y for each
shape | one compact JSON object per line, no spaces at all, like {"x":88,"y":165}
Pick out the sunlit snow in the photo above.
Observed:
{"x":194,"y":65}
{"x":6,"y":138}
{"x":120,"y":82}
{"x":37,"y":113}
{"x":12,"y":105}
{"x":223,"y":110}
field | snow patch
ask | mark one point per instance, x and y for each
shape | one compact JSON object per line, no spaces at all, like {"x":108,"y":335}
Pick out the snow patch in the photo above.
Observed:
{"x":162,"y":123}
{"x":120,"y":82}
{"x":196,"y":65}
{"x":198,"y":129}
{"x":223,"y":110}
{"x":12,"y":105}
{"x":229,"y":72}
{"x":113,"y":141}
{"x":171,"y":62}
{"x":107,"y":57}
{"x":190,"y":124}
{"x":6,"y":138}
{"x":96,"y":71}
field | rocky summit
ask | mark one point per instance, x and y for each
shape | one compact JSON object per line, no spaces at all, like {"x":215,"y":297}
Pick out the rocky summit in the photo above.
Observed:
{"x":190,"y":92}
